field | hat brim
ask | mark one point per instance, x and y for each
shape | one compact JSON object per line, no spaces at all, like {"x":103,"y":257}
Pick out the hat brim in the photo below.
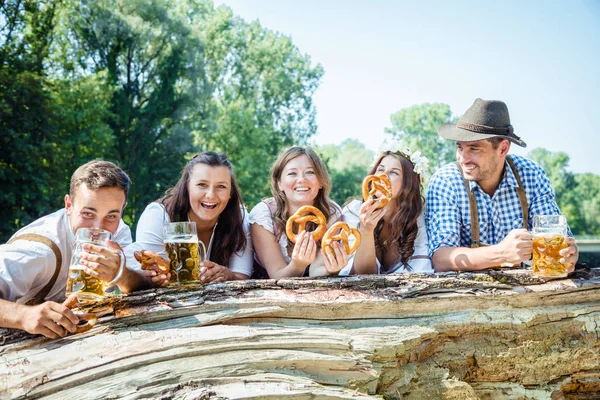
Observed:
{"x":452,"y":132}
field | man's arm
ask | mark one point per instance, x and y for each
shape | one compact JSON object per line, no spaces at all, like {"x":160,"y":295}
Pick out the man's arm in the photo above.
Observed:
{"x":50,"y":319}
{"x":515,"y":248}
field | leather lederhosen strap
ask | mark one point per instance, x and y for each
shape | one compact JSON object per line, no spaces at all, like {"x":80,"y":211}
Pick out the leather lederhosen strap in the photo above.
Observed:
{"x":475,"y":239}
{"x":41,"y":295}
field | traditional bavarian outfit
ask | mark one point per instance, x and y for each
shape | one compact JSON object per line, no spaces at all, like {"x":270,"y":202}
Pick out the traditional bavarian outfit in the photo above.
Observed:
{"x":34,"y":264}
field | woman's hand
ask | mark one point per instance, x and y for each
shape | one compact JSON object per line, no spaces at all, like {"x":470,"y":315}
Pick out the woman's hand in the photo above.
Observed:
{"x":213,"y":272}
{"x":154,"y":267}
{"x":305,"y":251}
{"x":370,"y":215}
{"x":335,"y":259}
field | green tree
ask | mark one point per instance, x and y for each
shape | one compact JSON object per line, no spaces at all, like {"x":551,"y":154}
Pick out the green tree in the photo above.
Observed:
{"x":563,"y":182}
{"x":587,"y":195}
{"x":261,"y":96}
{"x":416,"y":128}
{"x":29,"y":169}
{"x":348,"y":164}
{"x":152,"y":65}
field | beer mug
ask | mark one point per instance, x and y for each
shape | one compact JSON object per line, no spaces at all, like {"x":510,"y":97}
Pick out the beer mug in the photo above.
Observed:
{"x":87,"y":287}
{"x":185,"y":252}
{"x":549,"y":238}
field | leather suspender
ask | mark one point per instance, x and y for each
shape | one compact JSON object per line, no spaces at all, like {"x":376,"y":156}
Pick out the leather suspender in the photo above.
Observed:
{"x":475,"y":239}
{"x":41,"y":295}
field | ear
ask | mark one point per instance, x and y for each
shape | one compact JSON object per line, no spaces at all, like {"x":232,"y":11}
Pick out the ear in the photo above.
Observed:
{"x":279,"y":186}
{"x":504,"y":147}
{"x":68,"y":204}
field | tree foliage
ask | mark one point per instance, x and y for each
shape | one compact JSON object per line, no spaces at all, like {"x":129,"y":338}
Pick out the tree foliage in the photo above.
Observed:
{"x":416,"y":128}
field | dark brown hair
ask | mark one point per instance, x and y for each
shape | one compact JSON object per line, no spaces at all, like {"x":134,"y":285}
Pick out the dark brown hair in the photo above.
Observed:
{"x":97,"y":174}
{"x":322,"y":201}
{"x":229,"y":236}
{"x":409,"y":202}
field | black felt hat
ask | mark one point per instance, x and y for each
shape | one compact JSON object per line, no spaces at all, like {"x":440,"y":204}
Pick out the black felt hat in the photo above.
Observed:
{"x":483,"y":120}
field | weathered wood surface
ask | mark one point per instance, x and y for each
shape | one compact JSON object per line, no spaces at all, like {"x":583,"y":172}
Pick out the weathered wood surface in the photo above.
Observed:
{"x":496,"y":335}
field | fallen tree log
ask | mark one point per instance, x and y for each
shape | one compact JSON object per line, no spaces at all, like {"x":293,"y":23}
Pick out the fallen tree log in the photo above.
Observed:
{"x":494,"y":335}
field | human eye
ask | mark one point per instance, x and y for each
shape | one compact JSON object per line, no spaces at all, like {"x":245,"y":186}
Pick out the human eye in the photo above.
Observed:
{"x":112,"y":217}
{"x":291,"y":173}
{"x":201,"y":184}
{"x":87,"y":214}
{"x":221,"y":186}
{"x":310,"y":172}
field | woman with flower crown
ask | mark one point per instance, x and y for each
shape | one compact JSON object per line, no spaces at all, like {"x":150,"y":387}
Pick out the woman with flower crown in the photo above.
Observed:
{"x":394,"y":239}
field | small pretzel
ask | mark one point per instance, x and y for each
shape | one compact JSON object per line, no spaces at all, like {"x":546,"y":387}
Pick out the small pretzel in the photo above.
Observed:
{"x":149,"y":258}
{"x":301,"y":217}
{"x":344,"y":232}
{"x":90,"y":322}
{"x":379,"y":183}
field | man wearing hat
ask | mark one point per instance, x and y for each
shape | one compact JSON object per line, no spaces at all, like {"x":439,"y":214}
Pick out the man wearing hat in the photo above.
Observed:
{"x":480,"y":208}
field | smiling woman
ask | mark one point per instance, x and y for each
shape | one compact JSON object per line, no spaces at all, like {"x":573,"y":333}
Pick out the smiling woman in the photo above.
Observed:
{"x":298,"y":178}
{"x":208,"y":195}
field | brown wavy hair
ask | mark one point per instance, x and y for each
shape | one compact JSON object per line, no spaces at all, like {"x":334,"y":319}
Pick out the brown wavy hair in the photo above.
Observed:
{"x":229,"y":236}
{"x":322,"y":201}
{"x":409,"y":202}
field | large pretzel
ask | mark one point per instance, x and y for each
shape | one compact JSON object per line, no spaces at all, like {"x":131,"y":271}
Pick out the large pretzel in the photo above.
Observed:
{"x":377,"y":183}
{"x":344,"y":232}
{"x":301,"y":217}
{"x":149,"y":259}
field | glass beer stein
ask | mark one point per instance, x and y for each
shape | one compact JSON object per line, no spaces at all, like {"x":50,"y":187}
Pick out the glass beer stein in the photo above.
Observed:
{"x":549,"y":238}
{"x":87,"y":287}
{"x":185,"y":252}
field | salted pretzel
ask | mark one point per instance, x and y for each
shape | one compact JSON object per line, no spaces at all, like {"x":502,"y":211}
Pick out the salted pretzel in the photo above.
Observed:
{"x":301,"y":217}
{"x":344,"y":233}
{"x":377,"y":183}
{"x":148,"y":258}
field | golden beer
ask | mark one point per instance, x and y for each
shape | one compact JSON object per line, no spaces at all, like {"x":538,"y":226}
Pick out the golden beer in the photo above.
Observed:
{"x":87,"y":287}
{"x":546,"y":257}
{"x":184,"y":260}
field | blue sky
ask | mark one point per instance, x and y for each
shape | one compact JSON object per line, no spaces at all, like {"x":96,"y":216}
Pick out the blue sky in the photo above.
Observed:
{"x":540,"y":57}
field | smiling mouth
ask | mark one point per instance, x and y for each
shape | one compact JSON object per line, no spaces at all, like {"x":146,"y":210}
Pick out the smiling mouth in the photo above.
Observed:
{"x":469,"y":168}
{"x":301,"y":189}
{"x":209,"y":206}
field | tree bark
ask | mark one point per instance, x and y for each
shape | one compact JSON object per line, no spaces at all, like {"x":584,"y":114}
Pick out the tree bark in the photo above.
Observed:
{"x":494,"y":335}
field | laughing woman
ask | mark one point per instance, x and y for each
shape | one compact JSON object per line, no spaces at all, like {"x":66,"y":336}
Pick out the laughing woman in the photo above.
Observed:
{"x":298,"y":178}
{"x":208,"y":195}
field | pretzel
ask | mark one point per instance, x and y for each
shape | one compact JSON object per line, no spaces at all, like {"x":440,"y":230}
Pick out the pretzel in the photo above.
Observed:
{"x":379,"y":183}
{"x":149,"y":258}
{"x":72,"y":302}
{"x":90,"y":319}
{"x":301,"y":217}
{"x":345,"y":232}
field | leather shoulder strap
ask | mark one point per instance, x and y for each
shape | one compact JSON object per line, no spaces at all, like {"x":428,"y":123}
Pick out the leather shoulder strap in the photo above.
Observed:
{"x":41,"y":295}
{"x":520,"y":192}
{"x":475,"y":242}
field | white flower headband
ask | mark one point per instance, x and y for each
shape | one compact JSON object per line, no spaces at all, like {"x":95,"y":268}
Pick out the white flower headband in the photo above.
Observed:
{"x":420,"y":162}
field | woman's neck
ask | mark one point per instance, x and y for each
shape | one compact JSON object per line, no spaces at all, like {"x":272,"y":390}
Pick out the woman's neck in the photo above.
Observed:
{"x":202,"y":225}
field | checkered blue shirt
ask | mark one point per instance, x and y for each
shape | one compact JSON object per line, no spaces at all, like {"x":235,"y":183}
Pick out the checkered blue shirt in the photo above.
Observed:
{"x":448,"y":216}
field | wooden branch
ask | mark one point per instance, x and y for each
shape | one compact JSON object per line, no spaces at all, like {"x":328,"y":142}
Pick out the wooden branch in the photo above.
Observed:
{"x":499,"y":334}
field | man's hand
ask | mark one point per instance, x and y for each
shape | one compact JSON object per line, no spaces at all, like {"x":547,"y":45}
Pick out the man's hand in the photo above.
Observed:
{"x":50,"y":319}
{"x":517,"y":246}
{"x":570,"y":255}
{"x":102,"y":262}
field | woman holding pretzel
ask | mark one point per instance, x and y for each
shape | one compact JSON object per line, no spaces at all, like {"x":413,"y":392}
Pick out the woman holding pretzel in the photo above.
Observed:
{"x":299,"y":178}
{"x":390,"y":219}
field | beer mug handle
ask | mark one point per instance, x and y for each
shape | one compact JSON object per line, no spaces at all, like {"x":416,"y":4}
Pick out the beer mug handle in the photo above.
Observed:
{"x":201,"y":251}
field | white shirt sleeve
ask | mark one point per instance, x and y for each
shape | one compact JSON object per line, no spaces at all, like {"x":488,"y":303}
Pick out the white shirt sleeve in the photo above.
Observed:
{"x":123,"y":235}
{"x":350,"y":215}
{"x":261,"y":215}
{"x":242,"y":262}
{"x":22,"y":264}
{"x":149,"y":234}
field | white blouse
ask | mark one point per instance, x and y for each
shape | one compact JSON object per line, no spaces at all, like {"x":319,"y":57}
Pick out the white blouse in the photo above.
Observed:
{"x":262,"y":215}
{"x":419,"y":262}
{"x":150,"y":236}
